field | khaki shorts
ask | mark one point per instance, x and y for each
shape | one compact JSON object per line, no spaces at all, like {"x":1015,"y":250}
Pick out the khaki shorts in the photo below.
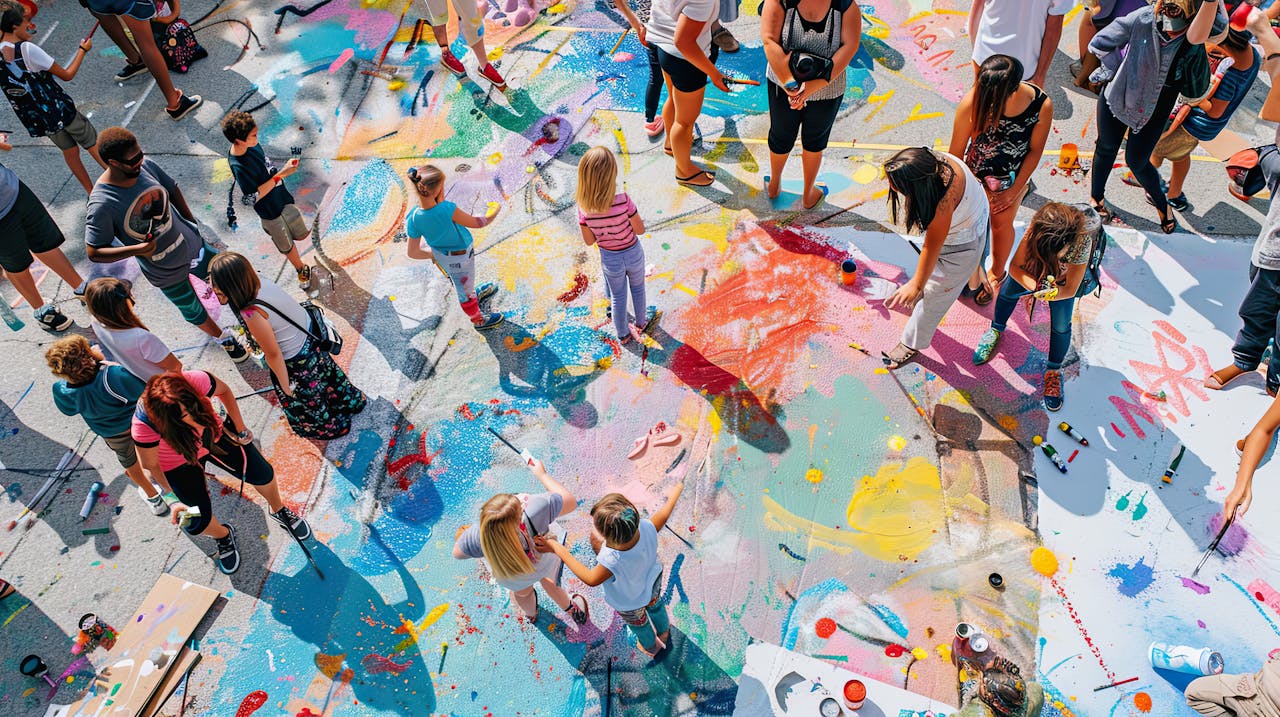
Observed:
{"x":1176,"y":146}
{"x":286,"y":228}
{"x":79,"y":131}
{"x":122,"y":446}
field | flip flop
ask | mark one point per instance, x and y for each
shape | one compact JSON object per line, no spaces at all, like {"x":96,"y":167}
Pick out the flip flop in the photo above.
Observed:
{"x":662,"y":435}
{"x":768,"y":179}
{"x":1214,"y":383}
{"x":641,"y":444}
{"x":688,"y":181}
{"x":901,"y":354}
{"x":822,"y":187}
{"x":6,"y":589}
{"x":579,"y":610}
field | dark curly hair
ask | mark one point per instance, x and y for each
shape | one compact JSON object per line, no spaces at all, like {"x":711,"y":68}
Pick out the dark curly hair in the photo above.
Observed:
{"x":237,"y":125}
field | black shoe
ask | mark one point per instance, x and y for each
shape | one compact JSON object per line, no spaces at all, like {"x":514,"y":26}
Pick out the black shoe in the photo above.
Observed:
{"x":50,"y":319}
{"x":130,"y":71}
{"x":228,"y":555}
{"x":488,"y":322}
{"x":234,"y":349}
{"x":186,"y":103}
{"x":293,"y":522}
{"x":1180,"y":202}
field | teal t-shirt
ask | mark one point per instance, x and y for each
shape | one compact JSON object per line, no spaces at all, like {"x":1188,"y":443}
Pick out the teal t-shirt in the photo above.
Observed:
{"x":436,"y":227}
{"x":106,"y":402}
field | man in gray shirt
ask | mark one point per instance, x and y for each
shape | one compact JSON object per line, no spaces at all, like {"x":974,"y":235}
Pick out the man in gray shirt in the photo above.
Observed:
{"x":131,"y":214}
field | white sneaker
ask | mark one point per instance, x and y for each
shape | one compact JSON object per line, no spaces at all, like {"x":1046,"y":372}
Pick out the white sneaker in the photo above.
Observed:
{"x":156,"y":502}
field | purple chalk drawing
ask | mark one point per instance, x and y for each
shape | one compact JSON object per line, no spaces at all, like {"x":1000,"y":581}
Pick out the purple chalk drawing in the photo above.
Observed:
{"x":1201,"y":624}
{"x":1199,"y":588}
{"x":1233,"y":542}
{"x":1133,"y":578}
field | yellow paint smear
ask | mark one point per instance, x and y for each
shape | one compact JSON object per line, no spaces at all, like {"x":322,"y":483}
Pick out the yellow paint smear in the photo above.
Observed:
{"x":715,"y":232}
{"x":1043,"y":561}
{"x":221,"y":171}
{"x":813,"y":475}
{"x":866,"y":174}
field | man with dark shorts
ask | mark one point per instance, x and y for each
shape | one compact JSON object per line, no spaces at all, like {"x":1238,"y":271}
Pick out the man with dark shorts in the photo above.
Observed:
{"x":131,"y":214}
{"x":27,"y":232}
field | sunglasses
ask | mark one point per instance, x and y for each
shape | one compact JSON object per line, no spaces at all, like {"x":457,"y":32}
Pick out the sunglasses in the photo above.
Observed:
{"x":135,"y":160}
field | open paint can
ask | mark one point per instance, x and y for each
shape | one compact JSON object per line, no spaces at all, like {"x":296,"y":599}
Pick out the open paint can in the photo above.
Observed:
{"x":1190,"y":660}
{"x":966,"y":630}
{"x":830,"y":708}
{"x":848,"y":272}
{"x":855,"y":693}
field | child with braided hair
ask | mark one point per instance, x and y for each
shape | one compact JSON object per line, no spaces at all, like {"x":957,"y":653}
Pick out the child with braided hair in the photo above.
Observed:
{"x":626,"y":546}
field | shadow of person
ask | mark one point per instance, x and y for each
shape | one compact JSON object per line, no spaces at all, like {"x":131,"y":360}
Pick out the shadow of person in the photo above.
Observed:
{"x":348,"y":620}
{"x":528,"y":368}
{"x":29,"y":631}
{"x":740,"y":409}
{"x":29,"y":459}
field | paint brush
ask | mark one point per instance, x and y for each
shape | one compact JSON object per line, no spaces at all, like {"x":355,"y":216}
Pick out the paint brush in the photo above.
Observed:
{"x":1173,"y":467}
{"x":1115,"y":684}
{"x":1214,"y":545}
{"x":508,"y":444}
{"x":678,"y":536}
{"x":44,"y":489}
{"x":618,"y":44}
{"x":444,"y":650}
{"x":740,"y":81}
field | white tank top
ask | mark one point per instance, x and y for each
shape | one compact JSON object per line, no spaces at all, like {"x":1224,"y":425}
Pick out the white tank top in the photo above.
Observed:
{"x":972,"y":214}
{"x":290,"y":338}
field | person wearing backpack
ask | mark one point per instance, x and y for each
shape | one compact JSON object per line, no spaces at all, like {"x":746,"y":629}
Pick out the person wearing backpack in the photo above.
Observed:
{"x":1058,"y":261}
{"x":27,"y":75}
{"x":809,"y":44}
{"x":317,"y":398}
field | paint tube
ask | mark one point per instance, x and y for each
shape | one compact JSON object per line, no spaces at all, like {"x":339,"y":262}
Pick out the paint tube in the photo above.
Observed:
{"x":1051,"y":452}
{"x":91,"y":499}
{"x":1073,"y":433}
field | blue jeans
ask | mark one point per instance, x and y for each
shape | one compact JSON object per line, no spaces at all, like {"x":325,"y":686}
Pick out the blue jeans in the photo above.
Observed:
{"x":1259,"y":312}
{"x":622,"y":270}
{"x":649,"y":622}
{"x":1059,"y":320}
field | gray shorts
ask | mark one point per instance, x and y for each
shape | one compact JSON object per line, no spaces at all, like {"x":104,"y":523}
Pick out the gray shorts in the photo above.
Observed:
{"x":79,"y":131}
{"x":122,"y":446}
{"x":286,"y":228}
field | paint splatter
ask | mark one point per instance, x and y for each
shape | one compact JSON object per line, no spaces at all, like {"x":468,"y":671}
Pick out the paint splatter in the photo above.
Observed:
{"x":894,"y":650}
{"x":1197,"y":587}
{"x":825,"y":627}
{"x":1142,"y":701}
{"x":783,"y":548}
{"x":579,"y":286}
{"x":1133,"y":578}
{"x":251,"y":703}
{"x":1233,"y":541}
{"x":813,"y":475}
{"x":1043,"y":561}
{"x":376,"y":664}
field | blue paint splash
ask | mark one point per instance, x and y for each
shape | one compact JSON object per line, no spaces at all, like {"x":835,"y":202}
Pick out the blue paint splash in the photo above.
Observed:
{"x":1133,"y":578}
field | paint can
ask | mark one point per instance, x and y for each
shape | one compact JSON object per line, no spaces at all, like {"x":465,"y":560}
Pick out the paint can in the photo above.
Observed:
{"x":848,"y":272}
{"x":33,"y":666}
{"x":98,"y":630}
{"x":1190,"y":660}
{"x":965,"y":630}
{"x":855,"y":693}
{"x":1069,"y":156}
{"x":979,"y":644}
{"x":829,"y":708}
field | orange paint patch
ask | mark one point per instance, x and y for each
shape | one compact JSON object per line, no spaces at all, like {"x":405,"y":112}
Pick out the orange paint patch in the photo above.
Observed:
{"x":1142,"y":701}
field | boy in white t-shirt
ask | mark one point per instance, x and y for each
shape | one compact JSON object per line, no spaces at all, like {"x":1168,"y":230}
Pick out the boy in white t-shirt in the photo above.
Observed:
{"x":27,"y":79}
{"x":1026,"y":29}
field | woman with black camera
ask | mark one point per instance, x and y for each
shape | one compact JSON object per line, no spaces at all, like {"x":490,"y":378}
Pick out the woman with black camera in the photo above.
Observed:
{"x":809,"y":44}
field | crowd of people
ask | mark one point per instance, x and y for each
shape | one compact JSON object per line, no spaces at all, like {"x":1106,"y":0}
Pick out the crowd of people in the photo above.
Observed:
{"x":1169,"y":74}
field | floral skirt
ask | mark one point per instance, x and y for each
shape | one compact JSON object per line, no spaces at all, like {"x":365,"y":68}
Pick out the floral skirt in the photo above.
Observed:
{"x":323,"y":401}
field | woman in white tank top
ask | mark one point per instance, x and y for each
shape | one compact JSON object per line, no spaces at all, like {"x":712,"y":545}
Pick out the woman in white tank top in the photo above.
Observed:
{"x":315,"y":395}
{"x":935,"y":193}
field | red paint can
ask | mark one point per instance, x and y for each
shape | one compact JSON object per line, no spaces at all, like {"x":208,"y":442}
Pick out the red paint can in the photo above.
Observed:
{"x":855,"y":693}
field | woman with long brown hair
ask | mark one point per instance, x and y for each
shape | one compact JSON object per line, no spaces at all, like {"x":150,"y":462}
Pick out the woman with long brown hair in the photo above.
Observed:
{"x":1052,"y":261}
{"x":177,"y":432}
{"x":315,"y":395}
{"x":122,"y":334}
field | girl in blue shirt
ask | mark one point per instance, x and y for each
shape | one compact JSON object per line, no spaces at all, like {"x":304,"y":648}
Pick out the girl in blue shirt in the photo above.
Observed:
{"x":444,"y":228}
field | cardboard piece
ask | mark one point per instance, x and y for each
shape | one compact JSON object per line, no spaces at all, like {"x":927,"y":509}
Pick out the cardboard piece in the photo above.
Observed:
{"x":182,"y":666}
{"x":147,"y":650}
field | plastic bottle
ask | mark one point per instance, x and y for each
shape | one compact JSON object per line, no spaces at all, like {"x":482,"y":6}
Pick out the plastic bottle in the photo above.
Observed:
{"x":1051,"y":452}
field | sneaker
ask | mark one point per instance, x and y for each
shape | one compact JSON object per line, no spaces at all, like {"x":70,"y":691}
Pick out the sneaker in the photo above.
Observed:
{"x":130,"y":71}
{"x":78,"y":292}
{"x":486,"y":290}
{"x":50,"y":319}
{"x":228,"y":555}
{"x":725,"y":40}
{"x":186,"y":103}
{"x":451,"y":63}
{"x":234,"y":349}
{"x":1053,"y":389}
{"x":490,"y":73}
{"x":1179,"y":202}
{"x":986,"y":347}
{"x":155,"y":502}
{"x":293,"y":522}
{"x":304,"y":276}
{"x":488,"y":322}
{"x":656,"y":127}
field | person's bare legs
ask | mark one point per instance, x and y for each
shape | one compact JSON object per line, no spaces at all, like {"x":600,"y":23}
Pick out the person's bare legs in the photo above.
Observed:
{"x":1002,"y":236}
{"x":141,"y":31}
{"x":687,"y":107}
{"x":215,"y":529}
{"x":115,"y":30}
{"x":1179,"y":175}
{"x":60,"y":265}
{"x":811,"y":162}
{"x":441,"y":33}
{"x":209,"y":326}
{"x":72,"y":158}
{"x":26,"y":286}
{"x":777,"y":162}
{"x":1087,"y":31}
{"x":93,"y":152}
{"x":294,"y":258}
{"x":527,"y":601}
{"x":271,"y":492}
{"x":556,"y":593}
{"x":140,"y":479}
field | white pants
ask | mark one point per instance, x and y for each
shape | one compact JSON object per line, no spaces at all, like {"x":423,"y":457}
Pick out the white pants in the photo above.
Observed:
{"x":470,"y":22}
{"x":956,"y":264}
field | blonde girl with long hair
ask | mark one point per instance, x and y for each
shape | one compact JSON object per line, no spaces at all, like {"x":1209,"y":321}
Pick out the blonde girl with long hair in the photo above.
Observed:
{"x":610,"y":220}
{"x":510,"y":523}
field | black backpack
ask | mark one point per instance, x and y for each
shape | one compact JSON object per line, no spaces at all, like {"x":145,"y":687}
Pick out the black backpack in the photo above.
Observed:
{"x":1092,"y":281}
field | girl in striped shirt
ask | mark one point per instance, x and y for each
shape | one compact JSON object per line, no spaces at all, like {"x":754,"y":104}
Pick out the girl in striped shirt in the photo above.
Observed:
{"x":611,"y":221}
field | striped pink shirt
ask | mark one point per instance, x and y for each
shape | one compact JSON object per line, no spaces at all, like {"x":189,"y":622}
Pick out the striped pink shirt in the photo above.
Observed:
{"x":612,"y":229}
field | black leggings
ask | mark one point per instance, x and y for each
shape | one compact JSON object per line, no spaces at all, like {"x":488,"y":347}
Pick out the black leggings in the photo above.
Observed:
{"x":812,"y":123}
{"x":1137,"y":151}
{"x":192,"y":488}
{"x":653,"y":91}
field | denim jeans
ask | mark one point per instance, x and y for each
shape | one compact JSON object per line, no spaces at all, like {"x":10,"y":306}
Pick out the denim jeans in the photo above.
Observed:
{"x":1259,"y":312}
{"x":622,"y":270}
{"x":1059,"y":320}
{"x":1137,"y":151}
{"x":650,"y":621}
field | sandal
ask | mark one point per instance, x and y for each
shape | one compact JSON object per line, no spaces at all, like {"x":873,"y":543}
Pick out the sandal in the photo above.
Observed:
{"x":1100,"y":206}
{"x":822,"y":187}
{"x":901,"y":354}
{"x":578,"y":609}
{"x":1215,"y":382}
{"x":6,"y":589}
{"x":702,"y":173}
{"x":984,"y":295}
{"x":662,"y":435}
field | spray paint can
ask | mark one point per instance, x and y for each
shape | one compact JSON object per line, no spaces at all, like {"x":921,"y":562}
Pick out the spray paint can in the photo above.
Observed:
{"x":1051,"y":452}
{"x":848,"y":272}
{"x":1190,"y":660}
{"x":1073,"y":433}
{"x":91,"y":499}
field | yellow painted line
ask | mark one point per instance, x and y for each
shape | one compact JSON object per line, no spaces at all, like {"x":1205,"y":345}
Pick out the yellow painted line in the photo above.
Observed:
{"x":895,"y":147}
{"x":546,"y":60}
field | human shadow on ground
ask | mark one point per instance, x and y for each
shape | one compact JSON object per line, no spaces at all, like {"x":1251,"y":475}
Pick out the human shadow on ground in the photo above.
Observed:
{"x":324,"y":613}
{"x":30,"y":631}
{"x":528,"y":368}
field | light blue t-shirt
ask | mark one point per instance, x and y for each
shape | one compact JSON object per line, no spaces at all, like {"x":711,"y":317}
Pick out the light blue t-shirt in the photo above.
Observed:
{"x":8,"y":189}
{"x":634,"y":570}
{"x":436,"y":227}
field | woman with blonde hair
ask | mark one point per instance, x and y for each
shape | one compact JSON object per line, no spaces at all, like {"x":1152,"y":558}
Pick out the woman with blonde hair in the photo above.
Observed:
{"x":504,"y":539}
